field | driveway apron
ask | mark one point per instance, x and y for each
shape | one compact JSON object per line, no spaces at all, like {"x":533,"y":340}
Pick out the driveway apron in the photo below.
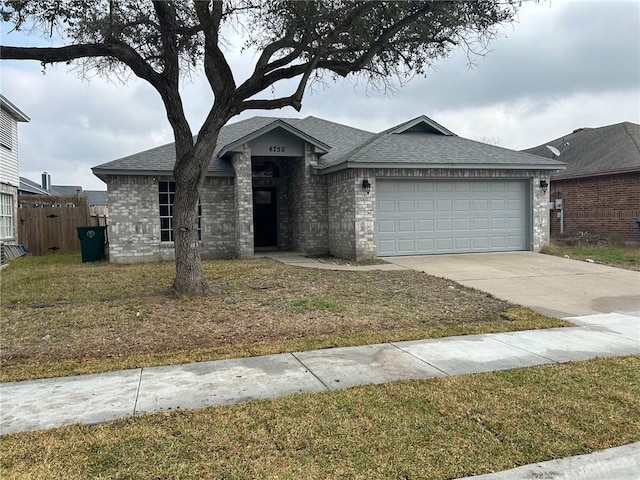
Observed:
{"x":554,"y":286}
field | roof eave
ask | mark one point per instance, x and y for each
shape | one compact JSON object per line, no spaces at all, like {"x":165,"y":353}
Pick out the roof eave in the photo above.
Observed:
{"x":596,"y":174}
{"x":103,"y":173}
{"x":426,"y":120}
{"x":439,"y":166}
{"x":15,"y":112}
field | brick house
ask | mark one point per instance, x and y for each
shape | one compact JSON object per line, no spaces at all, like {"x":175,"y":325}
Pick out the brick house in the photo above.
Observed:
{"x":318,"y":187}
{"x":600,"y":188}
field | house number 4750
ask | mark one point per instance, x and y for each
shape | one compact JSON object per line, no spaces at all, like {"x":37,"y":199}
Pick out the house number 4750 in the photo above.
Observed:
{"x":276,"y":149}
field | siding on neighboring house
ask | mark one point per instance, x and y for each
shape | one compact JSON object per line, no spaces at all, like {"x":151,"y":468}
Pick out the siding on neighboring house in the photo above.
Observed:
{"x":9,"y":150}
{"x":606,"y":204}
{"x":9,"y":176}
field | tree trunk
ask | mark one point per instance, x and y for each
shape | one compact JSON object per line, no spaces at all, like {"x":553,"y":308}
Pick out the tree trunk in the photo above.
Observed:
{"x":189,"y":175}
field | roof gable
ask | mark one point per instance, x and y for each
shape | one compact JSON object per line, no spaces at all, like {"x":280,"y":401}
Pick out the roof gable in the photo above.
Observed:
{"x":421,"y":124}
{"x":278,"y":124}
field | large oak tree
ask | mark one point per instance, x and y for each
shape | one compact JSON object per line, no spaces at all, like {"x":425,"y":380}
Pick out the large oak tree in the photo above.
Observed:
{"x":295,"y":42}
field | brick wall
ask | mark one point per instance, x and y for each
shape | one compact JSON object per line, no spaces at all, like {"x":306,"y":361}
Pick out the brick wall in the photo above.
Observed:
{"x":218,"y":225}
{"x":296,"y":184}
{"x":341,"y":187}
{"x":317,"y":213}
{"x":308,"y":206}
{"x":316,"y":209}
{"x":134,"y":219}
{"x":606,"y":204}
{"x":134,"y":225}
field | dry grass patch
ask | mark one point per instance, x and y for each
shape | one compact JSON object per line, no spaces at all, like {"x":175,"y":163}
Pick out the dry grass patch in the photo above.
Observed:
{"x":438,"y":429}
{"x":62,"y":317}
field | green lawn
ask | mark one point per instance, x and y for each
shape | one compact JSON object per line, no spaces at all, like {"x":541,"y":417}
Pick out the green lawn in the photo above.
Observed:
{"x":437,"y":429}
{"x":616,"y":254}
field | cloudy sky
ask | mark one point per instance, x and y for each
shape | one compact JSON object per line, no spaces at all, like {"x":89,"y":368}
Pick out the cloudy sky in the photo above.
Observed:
{"x":565,"y":64}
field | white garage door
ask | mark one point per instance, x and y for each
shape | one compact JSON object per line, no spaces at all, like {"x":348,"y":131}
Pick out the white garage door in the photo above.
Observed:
{"x":416,"y":217}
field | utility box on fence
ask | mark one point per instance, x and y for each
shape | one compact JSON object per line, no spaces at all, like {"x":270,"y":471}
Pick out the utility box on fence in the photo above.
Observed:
{"x":92,"y":243}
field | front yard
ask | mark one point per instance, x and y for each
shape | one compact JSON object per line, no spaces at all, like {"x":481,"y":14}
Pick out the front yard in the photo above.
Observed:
{"x":60,"y":317}
{"x":63,"y":317}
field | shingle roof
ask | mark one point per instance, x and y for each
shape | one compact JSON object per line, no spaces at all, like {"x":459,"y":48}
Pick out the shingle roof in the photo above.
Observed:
{"x":341,"y":138}
{"x":160,"y":160}
{"x":596,"y":151}
{"x":438,"y":150}
{"x":32,"y":187}
{"x":420,"y":142}
{"x":96,"y":197}
{"x":66,"y":189}
{"x":435,"y":147}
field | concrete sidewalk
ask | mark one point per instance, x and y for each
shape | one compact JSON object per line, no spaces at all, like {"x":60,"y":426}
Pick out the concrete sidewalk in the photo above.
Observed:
{"x":619,"y":463}
{"x":49,"y":403}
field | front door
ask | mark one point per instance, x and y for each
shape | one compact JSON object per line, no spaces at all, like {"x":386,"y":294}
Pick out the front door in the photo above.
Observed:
{"x":265,"y":217}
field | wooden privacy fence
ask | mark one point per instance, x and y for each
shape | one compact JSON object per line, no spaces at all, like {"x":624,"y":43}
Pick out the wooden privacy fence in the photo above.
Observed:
{"x":48,"y":224}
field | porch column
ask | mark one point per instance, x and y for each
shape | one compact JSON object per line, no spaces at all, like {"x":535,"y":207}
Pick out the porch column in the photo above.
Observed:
{"x":243,"y":196}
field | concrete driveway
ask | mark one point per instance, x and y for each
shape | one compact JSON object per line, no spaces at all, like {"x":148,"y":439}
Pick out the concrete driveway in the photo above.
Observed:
{"x":551,"y":285}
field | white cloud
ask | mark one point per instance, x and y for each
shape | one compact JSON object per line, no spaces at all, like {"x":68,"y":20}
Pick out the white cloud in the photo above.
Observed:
{"x":566,"y":64}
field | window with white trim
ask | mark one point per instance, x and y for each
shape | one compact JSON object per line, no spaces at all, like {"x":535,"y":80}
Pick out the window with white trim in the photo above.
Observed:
{"x":166,"y":198}
{"x":6,"y":216}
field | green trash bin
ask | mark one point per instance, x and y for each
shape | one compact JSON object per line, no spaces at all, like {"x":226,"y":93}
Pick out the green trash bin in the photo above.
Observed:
{"x":92,"y":243}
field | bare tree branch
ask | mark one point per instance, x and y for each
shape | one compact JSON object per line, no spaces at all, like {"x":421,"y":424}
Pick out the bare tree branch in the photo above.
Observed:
{"x":123,"y":53}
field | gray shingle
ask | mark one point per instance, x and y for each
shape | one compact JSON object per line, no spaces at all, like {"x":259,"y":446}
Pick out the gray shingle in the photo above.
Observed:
{"x":160,"y":160}
{"x":348,"y":146}
{"x":593,"y":151}
{"x":29,"y":186}
{"x":96,"y":197}
{"x":436,"y":149}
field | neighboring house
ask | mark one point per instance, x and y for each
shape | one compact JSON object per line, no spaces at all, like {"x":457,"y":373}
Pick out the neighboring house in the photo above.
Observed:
{"x":318,"y":187}
{"x":29,"y":187}
{"x":97,"y":200}
{"x":10,"y":115}
{"x":599,"y":192}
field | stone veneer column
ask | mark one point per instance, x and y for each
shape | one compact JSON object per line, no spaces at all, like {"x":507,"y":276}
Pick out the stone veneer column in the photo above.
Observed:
{"x":365,"y":207}
{"x":540,"y":214}
{"x":243,"y":195}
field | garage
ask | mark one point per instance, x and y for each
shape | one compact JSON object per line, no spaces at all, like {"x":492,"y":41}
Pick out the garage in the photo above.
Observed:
{"x":421,"y":217}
